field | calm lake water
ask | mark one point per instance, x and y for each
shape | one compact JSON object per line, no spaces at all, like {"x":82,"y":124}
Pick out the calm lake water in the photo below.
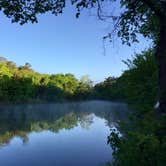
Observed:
{"x":68,"y":134}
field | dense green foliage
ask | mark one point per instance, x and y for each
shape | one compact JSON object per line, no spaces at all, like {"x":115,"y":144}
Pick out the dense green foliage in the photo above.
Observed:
{"x":22,"y":84}
{"x":137,"y":85}
{"x":144,"y":135}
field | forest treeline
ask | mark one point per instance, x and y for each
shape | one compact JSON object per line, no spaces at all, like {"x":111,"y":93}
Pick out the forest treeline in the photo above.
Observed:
{"x":23,"y":84}
{"x":137,"y":85}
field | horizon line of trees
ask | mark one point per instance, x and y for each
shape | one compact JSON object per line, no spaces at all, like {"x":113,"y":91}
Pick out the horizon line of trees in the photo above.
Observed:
{"x":23,"y":84}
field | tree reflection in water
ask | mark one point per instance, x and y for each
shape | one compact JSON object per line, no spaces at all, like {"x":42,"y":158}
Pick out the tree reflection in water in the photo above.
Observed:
{"x":20,"y":120}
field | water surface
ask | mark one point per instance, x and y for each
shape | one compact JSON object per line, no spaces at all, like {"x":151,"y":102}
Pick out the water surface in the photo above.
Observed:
{"x":68,"y":134}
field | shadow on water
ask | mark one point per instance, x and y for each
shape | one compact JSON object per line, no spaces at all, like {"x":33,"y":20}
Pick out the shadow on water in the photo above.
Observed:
{"x":80,"y":128}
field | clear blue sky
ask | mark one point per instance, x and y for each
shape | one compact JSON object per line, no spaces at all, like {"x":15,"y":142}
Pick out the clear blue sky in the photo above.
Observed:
{"x":65,"y":44}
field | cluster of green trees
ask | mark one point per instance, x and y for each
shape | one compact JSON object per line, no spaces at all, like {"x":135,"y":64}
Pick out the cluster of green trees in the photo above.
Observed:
{"x":137,"y":85}
{"x":144,"y":135}
{"x":22,"y":84}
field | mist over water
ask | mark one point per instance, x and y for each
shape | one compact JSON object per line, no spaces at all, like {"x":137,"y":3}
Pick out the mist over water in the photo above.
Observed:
{"x":61,"y":134}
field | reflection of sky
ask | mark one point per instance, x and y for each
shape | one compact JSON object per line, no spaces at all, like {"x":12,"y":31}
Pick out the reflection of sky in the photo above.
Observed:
{"x":77,"y":146}
{"x":54,"y":117}
{"x":43,"y":134}
{"x":63,"y":44}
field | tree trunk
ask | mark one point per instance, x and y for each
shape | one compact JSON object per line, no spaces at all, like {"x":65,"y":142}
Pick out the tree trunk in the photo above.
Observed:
{"x":161,"y":61}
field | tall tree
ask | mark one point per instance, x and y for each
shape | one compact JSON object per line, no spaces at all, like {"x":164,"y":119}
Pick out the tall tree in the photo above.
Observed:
{"x":138,"y":16}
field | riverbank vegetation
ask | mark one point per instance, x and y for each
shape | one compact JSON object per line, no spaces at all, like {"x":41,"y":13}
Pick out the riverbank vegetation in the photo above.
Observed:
{"x":137,"y":85}
{"x":23,"y":84}
{"x":144,"y":135}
